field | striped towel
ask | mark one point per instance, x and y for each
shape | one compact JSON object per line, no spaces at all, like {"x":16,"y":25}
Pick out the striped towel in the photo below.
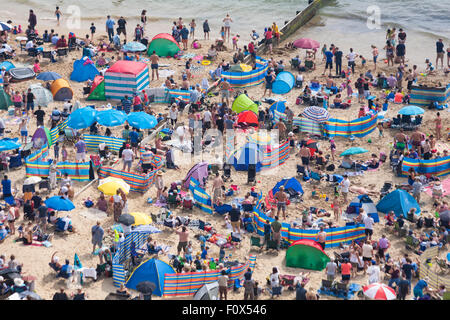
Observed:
{"x":188,"y":55}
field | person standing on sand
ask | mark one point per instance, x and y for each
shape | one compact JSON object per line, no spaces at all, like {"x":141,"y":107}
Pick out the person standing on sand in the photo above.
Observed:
{"x":143,"y":20}
{"x":32,"y":20}
{"x":97,"y":236}
{"x":345,"y":185}
{"x":154,"y":59}
{"x":440,"y":53}
{"x":351,"y":56}
{"x":122,"y":27}
{"x":227,"y":25}
{"x":117,"y":211}
{"x":281,"y":198}
{"x":329,"y":61}
{"x":224,"y":88}
{"x":338,"y":60}
{"x":375,"y":56}
{"x":110,"y":28}
{"x":206,"y":29}
{"x":192,"y":24}
{"x":217,"y":188}
{"x":438,"y":122}
{"x":321,"y":238}
{"x":58,"y":14}
{"x":336,"y":208}
{"x":389,"y":53}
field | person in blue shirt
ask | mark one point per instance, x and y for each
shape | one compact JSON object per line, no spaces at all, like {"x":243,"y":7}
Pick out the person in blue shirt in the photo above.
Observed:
{"x":134,"y":139}
{"x":184,"y":37}
{"x":408,"y":269}
{"x":6,"y":187}
{"x":419,"y":287}
{"x":126,"y":104}
{"x":267,"y":231}
{"x":110,"y":27}
{"x":329,"y":61}
{"x":204,"y":255}
{"x":66,"y":270}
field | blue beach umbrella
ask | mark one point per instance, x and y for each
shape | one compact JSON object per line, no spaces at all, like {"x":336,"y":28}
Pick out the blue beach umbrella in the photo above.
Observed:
{"x":353,"y":150}
{"x":5,"y":26}
{"x":411,"y":111}
{"x":81,"y":118}
{"x":48,"y":76}
{"x":111,"y":117}
{"x":9,"y":144}
{"x":134,"y":47}
{"x":59,"y":203}
{"x":142,"y":120}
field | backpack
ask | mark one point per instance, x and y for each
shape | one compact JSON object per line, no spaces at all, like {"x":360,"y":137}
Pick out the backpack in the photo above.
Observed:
{"x":358,"y":84}
{"x":419,"y":223}
{"x":331,"y":167}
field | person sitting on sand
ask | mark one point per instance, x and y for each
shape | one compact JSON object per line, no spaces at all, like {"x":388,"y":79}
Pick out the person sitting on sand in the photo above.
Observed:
{"x":196,"y":44}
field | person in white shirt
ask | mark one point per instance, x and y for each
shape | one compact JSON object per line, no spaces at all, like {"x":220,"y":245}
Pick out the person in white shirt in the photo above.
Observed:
{"x":29,"y":45}
{"x":345,"y":185}
{"x":374,"y":273}
{"x":368,"y":226}
{"x":173,"y":114}
{"x":2,"y":127}
{"x":207,"y":117}
{"x":180,"y":132}
{"x":275,"y":280}
{"x":331,"y":269}
{"x":351,"y":56}
{"x":367,"y":253}
{"x":128,"y":157}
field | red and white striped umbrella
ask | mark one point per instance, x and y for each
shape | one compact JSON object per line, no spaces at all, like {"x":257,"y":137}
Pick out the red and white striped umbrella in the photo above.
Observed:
{"x":379,"y":291}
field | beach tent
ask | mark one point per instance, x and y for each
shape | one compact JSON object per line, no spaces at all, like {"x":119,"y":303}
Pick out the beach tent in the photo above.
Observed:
{"x":248,"y":117}
{"x":84,"y":70}
{"x":398,"y":201}
{"x":288,"y":183}
{"x":8,"y":65}
{"x":97,"y":89}
{"x":5,"y":100}
{"x":125,"y":78}
{"x":152,"y":270}
{"x":209,"y":291}
{"x":198,"y":172}
{"x":284,"y":82}
{"x":43,"y":96}
{"x":249,"y":154}
{"x":279,"y":106}
{"x":363,"y":201}
{"x":61,"y":90}
{"x":306,"y":254}
{"x":164,"y":45}
{"x":40,"y":137}
{"x":244,"y":103}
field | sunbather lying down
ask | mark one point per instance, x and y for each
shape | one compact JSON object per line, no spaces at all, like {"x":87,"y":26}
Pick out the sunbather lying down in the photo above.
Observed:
{"x":362,"y":190}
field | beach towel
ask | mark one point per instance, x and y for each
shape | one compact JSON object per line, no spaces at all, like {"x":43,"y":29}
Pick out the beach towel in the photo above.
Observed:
{"x":198,"y":57}
{"x":166,"y":73}
{"x":188,"y":55}
{"x":353,"y":173}
{"x":197,"y":69}
{"x":445,"y":186}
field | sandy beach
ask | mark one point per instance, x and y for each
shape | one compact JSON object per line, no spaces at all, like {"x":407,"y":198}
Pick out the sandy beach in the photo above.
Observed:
{"x":35,"y":259}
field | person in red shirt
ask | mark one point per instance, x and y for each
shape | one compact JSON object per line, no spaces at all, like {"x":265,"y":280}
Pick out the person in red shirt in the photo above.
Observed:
{"x":346,"y":269}
{"x":362,"y":112}
{"x":268,"y":36}
{"x":137,"y":103}
{"x":251,"y":50}
{"x":145,"y":99}
{"x":61,"y":43}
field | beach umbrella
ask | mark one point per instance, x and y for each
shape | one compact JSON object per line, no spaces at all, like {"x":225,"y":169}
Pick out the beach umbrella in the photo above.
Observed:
{"x":32,"y":180}
{"x":81,"y":118}
{"x":126,"y":219}
{"x":5,"y":26}
{"x":379,"y":291}
{"x":353,"y":150}
{"x":411,"y":111}
{"x":134,"y":47}
{"x":111,"y":117}
{"x":141,"y":218}
{"x":20,"y":38}
{"x":242,"y":67}
{"x":142,"y":120}
{"x":9,"y":144}
{"x":59,"y":203}
{"x":306,"y":43}
{"x":110,"y":185}
{"x":316,"y":113}
{"x":48,"y":76}
{"x":146,"y":287}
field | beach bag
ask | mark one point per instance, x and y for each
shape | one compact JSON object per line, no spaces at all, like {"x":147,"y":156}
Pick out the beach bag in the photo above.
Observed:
{"x":331,"y":167}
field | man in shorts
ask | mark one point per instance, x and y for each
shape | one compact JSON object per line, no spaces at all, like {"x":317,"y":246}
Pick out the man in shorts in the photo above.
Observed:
{"x":217,"y":188}
{"x":321,"y":238}
{"x":276,"y":231}
{"x":43,"y":216}
{"x":122,"y":27}
{"x":281,"y":198}
{"x":225,"y":88}
{"x":154,"y":59}
{"x":183,"y":239}
{"x":329,"y":61}
{"x":368,"y":226}
{"x":440,"y":53}
{"x":235,"y":218}
{"x":305,"y":155}
{"x":127,"y":157}
{"x":367,"y":254}
{"x":80,"y":147}
{"x":400,"y":140}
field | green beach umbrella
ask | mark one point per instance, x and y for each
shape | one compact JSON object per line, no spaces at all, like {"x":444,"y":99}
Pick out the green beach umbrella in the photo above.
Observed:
{"x":353,"y":150}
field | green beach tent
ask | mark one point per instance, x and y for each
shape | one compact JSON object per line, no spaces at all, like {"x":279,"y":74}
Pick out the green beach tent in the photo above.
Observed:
{"x":306,"y":254}
{"x":5,"y":100}
{"x":244,"y":103}
{"x":164,"y":45}
{"x":97,"y":89}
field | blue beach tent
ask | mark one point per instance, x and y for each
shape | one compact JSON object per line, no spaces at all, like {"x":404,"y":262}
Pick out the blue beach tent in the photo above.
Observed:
{"x":279,"y":106}
{"x":364,"y":202}
{"x":152,"y":270}
{"x":249,"y":154}
{"x":288,"y":183}
{"x":398,"y":201}
{"x":284,"y":82}
{"x":83,"y":70}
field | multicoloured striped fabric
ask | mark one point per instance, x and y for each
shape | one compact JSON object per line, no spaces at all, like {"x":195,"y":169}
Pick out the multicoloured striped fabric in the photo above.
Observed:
{"x":54,"y":133}
{"x":277,"y":115}
{"x":181,"y":94}
{"x":275,"y":157}
{"x":202,"y":199}
{"x":436,"y":167}
{"x":316,"y":114}
{"x":434,"y":280}
{"x":123,"y":253}
{"x":308,"y":126}
{"x":41,"y":168}
{"x":335,"y":236}
{"x":92,"y":142}
{"x":359,"y":128}
{"x":248,"y":79}
{"x":187,"y":284}
{"x":41,"y":153}
{"x":422,"y":96}
{"x":117,"y":85}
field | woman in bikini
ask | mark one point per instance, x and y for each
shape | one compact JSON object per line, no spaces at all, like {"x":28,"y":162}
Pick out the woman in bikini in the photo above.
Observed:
{"x":227,"y":21}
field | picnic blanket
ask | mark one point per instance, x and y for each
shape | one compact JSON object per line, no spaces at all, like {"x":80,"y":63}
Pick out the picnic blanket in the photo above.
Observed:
{"x":188,"y":55}
{"x":445,"y":185}
{"x":353,"y":288}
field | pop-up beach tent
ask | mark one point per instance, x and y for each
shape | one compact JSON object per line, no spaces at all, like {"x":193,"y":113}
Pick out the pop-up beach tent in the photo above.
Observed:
{"x":249,"y":154}
{"x":279,"y":106}
{"x":363,"y":202}
{"x":61,"y":90}
{"x":152,"y":270}
{"x":97,"y":89}
{"x":125,"y":78}
{"x":199,"y":172}
{"x":248,"y":118}
{"x":164,"y":45}
{"x":398,"y":201}
{"x":288,"y":183}
{"x":244,"y":103}
{"x":84,"y":70}
{"x":306,"y":254}
{"x":5,"y":100}
{"x":43,"y":96}
{"x":41,"y":137}
{"x":284,"y":82}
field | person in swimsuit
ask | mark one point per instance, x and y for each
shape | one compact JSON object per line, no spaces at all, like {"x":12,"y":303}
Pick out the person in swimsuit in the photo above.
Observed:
{"x":375,"y":56}
{"x":281,"y":198}
{"x":58,"y":14}
{"x":227,"y":25}
{"x":154,"y":65}
{"x":192,"y":25}
{"x":389,"y":53}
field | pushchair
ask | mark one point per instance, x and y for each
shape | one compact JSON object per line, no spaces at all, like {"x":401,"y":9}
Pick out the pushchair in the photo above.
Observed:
{"x":251,"y":173}
{"x":227,"y":172}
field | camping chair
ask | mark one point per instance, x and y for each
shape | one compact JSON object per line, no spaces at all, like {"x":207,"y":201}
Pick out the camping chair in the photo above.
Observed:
{"x":287,"y":280}
{"x":271,"y":244}
{"x":47,"y":55}
{"x":327,"y":285}
{"x":342,"y":288}
{"x":300,"y":169}
{"x":62,"y":52}
{"x":15,"y":162}
{"x":442,"y":264}
{"x":309,"y":65}
{"x":69,"y":135}
{"x":411,"y":243}
{"x":172,"y":200}
{"x":255,"y":241}
{"x":294,"y":64}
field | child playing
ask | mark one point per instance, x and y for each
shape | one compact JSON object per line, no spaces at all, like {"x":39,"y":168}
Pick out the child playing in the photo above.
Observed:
{"x":380,"y":128}
{"x":36,"y":66}
{"x":332,"y":148}
{"x":336,"y":207}
{"x":349,"y":90}
{"x":363,"y":61}
{"x":235,"y":42}
{"x":93,"y":28}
